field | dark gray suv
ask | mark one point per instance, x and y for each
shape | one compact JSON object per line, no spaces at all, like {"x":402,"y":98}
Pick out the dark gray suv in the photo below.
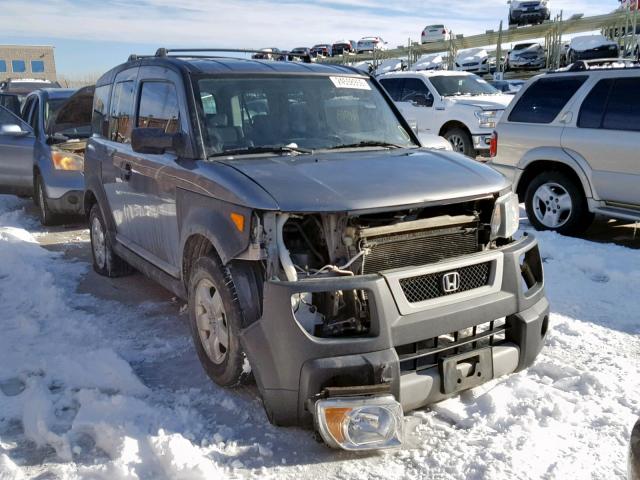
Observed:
{"x":356,"y":274}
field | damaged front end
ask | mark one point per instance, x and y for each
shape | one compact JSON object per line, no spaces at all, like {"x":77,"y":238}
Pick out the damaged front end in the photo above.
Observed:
{"x":353,"y":302}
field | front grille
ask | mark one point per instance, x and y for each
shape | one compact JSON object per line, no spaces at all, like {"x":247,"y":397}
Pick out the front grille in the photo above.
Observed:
{"x":430,"y":286}
{"x":419,"y":248}
{"x":472,"y":64}
{"x":427,"y":353}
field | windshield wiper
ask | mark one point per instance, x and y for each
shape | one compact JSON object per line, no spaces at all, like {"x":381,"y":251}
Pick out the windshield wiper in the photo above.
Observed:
{"x":366,"y":143}
{"x":264,"y":149}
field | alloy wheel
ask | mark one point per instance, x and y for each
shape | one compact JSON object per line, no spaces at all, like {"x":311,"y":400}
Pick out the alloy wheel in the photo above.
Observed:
{"x":552,"y":205}
{"x":211,"y":321}
{"x":98,"y":243}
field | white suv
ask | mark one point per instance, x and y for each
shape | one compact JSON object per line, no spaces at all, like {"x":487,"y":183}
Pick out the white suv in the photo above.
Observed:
{"x":459,"y":106}
{"x":570,"y":141}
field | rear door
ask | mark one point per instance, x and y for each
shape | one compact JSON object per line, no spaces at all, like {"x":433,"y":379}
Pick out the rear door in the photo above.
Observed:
{"x":16,"y":154}
{"x":607,"y":135}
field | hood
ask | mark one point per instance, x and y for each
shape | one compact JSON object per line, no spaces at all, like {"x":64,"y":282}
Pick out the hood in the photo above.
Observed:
{"x":483,"y":102}
{"x":76,"y":111}
{"x":391,"y":65}
{"x":581,"y":44}
{"x":535,"y":49}
{"x":351,"y":181}
{"x":428,"y":63}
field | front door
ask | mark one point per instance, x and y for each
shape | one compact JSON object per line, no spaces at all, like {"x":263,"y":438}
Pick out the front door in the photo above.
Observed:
{"x":16,"y":154}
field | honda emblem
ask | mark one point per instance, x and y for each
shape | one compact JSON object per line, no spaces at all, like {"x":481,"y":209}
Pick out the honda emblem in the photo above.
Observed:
{"x":450,"y":282}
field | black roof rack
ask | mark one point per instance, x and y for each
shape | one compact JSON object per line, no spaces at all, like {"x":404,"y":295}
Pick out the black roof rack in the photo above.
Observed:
{"x":171,"y":52}
{"x":599,"y":64}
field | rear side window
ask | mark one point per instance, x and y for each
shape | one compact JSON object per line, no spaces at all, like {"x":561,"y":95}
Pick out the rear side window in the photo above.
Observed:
{"x":543,"y":101}
{"x":120,"y":112}
{"x":622,"y":111}
{"x":159,"y":107}
{"x":592,"y":109}
{"x":100,"y":117}
{"x":393,"y":86}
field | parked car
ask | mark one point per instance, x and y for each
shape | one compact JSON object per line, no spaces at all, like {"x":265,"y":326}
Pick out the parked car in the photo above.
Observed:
{"x":474,"y":60}
{"x":343,"y":47}
{"x":318,"y":246}
{"x":634,"y":453}
{"x":299,"y":53}
{"x":370,"y":45}
{"x":24,"y":86}
{"x":590,"y":47}
{"x":272,"y":53}
{"x":434,"y":61}
{"x":528,"y":12}
{"x":569,"y":143}
{"x":390,"y":65}
{"x":321,"y":50}
{"x":435,"y":33}
{"x":459,"y":106}
{"x":526,"y":56}
{"x":510,"y":87}
{"x":51,"y":141}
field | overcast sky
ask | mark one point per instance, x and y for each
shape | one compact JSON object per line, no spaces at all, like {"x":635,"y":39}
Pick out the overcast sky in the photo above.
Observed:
{"x":91,"y":36}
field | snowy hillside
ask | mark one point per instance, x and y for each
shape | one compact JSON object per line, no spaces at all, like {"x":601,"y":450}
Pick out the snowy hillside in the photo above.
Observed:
{"x":98,"y":388}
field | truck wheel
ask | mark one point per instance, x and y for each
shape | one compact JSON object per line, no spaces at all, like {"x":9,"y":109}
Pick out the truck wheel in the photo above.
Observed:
{"x":216,"y":318}
{"x":555,"y":202}
{"x":47,"y":217}
{"x":105,"y":260}
{"x":461,"y":141}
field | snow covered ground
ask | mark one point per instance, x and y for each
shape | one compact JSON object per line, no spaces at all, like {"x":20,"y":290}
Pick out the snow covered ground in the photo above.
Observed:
{"x":97,"y":388}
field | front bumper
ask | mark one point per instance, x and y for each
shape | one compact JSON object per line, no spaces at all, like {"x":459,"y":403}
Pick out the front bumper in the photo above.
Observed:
{"x":527,"y":63}
{"x":481,"y":141}
{"x":292,"y":367}
{"x":525,"y":16}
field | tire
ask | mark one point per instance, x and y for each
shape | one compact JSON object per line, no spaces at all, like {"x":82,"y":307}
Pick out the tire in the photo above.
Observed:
{"x":217,"y":313}
{"x":105,"y":260}
{"x":555,"y":202}
{"x":461,"y":141}
{"x":47,"y":217}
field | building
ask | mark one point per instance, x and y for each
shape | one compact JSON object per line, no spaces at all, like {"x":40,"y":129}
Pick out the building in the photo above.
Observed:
{"x":27,"y":61}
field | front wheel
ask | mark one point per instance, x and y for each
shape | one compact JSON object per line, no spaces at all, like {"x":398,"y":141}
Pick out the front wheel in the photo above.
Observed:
{"x":217,"y":312}
{"x":47,"y":217}
{"x":460,"y":141}
{"x":555,"y":202}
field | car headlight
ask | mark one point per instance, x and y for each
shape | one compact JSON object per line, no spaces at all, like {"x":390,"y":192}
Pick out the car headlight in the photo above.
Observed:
{"x":67,"y":161}
{"x":487,"y":118}
{"x":506,"y":217}
{"x":360,"y":423}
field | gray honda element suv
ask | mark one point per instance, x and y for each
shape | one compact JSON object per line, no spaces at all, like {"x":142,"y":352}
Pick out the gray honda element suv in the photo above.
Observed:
{"x":354,"y":273}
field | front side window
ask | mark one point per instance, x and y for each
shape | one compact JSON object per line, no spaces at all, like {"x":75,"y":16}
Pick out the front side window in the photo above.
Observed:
{"x":159,"y":107}
{"x":454,"y":85}
{"x":37,"y":66}
{"x":393,"y":86}
{"x":415,"y":91}
{"x":18,"y":66}
{"x":315,"y":112}
{"x":3,"y":66}
{"x":120,"y":112}
{"x":543,"y":101}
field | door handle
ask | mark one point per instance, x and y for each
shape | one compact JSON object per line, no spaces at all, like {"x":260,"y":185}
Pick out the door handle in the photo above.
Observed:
{"x":126,"y":172}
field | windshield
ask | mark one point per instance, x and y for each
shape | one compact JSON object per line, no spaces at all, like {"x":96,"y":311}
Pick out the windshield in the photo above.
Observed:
{"x":450,"y":85}
{"x":522,"y":46}
{"x":79,"y":128}
{"x":296,"y":112}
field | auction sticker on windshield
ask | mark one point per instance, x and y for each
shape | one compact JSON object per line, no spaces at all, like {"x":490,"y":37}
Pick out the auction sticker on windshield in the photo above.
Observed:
{"x":350,"y":82}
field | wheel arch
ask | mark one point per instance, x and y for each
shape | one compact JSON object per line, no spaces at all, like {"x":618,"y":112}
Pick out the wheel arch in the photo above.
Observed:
{"x":540,"y":160}
{"x":453,"y":124}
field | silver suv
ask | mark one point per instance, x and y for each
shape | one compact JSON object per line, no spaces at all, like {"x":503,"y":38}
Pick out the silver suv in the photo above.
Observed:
{"x":569,"y":142}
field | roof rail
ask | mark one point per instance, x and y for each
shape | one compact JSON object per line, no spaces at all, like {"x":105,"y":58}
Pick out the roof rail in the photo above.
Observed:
{"x":171,"y":52}
{"x":599,"y":64}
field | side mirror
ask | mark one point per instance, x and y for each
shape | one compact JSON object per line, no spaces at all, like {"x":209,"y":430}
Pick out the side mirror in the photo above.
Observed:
{"x":13,"y":130}
{"x":156,"y":141}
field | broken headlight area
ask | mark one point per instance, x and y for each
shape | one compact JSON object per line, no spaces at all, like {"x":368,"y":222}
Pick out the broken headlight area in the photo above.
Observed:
{"x":342,"y":313}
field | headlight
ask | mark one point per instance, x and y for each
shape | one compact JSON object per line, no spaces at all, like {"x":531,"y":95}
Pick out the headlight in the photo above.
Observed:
{"x":506,"y":217}
{"x":360,"y":423}
{"x":67,"y":161}
{"x":487,"y":118}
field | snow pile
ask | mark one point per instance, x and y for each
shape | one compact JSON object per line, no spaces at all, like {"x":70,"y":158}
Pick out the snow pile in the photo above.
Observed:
{"x":98,"y":389}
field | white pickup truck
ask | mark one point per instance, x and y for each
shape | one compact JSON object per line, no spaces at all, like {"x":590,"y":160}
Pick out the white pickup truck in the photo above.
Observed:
{"x":458,"y":106}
